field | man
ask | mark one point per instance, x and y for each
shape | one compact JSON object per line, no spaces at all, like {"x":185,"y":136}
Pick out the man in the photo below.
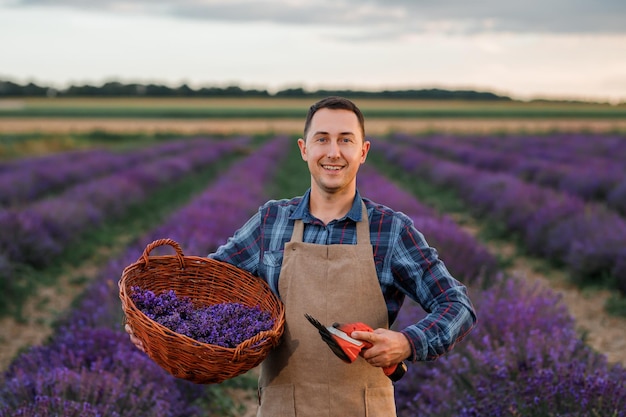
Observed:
{"x":343,"y":258}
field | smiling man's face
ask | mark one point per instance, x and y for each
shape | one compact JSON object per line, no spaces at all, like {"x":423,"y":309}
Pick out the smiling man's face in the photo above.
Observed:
{"x":334,"y":149}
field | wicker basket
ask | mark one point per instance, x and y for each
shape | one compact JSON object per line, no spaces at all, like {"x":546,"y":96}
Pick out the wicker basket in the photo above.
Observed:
{"x":206,"y":282}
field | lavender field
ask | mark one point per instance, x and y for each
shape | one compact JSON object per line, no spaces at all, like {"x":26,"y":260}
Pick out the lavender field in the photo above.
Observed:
{"x":560,"y":196}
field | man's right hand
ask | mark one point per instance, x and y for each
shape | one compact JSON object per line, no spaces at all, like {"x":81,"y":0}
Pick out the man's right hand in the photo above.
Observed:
{"x":135,"y":341}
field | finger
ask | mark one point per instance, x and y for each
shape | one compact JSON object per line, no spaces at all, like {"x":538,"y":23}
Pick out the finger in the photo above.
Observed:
{"x":365,"y":336}
{"x":138,"y":343}
{"x":377,"y":361}
{"x":134,"y":339}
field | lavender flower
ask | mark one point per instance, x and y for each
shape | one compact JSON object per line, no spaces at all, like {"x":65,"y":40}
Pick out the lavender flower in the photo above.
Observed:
{"x":46,"y":406}
{"x":222,"y":324}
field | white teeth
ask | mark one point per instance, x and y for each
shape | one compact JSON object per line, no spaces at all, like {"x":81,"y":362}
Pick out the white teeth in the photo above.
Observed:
{"x":332,"y":168}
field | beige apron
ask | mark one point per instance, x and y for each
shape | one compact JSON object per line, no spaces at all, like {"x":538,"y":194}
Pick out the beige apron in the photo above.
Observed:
{"x":302,"y":377}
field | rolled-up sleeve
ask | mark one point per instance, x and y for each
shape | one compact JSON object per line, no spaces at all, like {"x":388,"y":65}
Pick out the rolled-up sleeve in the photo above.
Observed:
{"x":422,"y":276}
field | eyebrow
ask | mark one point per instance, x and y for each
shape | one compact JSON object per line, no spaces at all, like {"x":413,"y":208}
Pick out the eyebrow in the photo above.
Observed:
{"x":340,"y":134}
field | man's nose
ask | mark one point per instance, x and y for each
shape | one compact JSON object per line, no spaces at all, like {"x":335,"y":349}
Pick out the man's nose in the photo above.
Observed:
{"x":333,"y":150}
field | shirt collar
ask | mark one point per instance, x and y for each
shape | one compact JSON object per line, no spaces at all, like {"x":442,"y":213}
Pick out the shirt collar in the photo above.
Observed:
{"x":302,"y":209}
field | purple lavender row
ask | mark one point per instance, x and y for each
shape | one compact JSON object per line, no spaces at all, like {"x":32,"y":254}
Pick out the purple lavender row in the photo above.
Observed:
{"x":27,"y":179}
{"x":468,"y":260}
{"x":29,"y":163}
{"x":34,"y":235}
{"x":90,"y":356}
{"x":588,"y":238}
{"x":524,"y":358}
{"x":565,"y":168}
{"x":566,"y":148}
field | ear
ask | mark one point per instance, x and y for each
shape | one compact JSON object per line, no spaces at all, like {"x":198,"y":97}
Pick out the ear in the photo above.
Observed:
{"x":365,"y":150}
{"x":302,"y":146}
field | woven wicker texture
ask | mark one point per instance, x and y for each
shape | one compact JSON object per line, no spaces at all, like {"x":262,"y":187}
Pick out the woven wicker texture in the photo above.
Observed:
{"x":206,"y":282}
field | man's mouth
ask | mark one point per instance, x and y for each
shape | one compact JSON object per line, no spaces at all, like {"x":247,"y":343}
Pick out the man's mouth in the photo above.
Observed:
{"x":331,"y":167}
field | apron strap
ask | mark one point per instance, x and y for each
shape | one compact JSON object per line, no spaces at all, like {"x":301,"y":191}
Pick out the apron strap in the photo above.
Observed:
{"x":298,"y":231}
{"x":363,"y":227}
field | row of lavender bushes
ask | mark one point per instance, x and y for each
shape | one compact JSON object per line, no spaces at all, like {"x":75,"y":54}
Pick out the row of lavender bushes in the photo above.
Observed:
{"x":25,"y":180}
{"x":523,"y":359}
{"x":586,"y":237}
{"x":590,"y":166}
{"x":89,"y":367}
{"x":35,"y":233}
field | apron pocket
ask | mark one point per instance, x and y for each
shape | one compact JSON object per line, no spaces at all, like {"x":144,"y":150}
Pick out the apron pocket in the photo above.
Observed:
{"x":379,"y":402}
{"x":277,"y":401}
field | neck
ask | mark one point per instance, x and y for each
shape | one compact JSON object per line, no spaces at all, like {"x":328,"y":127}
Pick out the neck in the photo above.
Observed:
{"x":328,"y":207}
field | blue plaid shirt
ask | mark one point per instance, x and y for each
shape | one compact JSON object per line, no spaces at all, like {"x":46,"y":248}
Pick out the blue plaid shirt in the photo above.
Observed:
{"x":405,"y":264}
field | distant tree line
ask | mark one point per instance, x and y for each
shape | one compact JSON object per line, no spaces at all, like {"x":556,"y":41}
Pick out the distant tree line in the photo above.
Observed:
{"x":117,"y":89}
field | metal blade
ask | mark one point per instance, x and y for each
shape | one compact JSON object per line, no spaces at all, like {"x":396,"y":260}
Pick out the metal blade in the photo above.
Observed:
{"x":315,"y":323}
{"x":340,"y":333}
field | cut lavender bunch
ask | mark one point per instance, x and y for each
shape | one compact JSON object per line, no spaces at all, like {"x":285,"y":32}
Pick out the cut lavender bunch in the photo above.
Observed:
{"x":222,"y":324}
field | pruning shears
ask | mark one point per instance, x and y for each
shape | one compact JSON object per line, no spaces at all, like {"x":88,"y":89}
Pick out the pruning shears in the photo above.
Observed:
{"x":347,"y":348}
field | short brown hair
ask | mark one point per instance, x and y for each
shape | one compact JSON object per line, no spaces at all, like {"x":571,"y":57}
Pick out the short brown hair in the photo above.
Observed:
{"x":334,"y":103}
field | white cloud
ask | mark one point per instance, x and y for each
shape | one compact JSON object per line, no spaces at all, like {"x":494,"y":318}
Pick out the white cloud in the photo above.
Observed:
{"x":74,"y":44}
{"x":407,"y":16}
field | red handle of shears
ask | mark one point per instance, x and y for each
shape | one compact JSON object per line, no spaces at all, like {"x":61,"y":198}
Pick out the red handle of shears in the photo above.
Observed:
{"x":394,"y":372}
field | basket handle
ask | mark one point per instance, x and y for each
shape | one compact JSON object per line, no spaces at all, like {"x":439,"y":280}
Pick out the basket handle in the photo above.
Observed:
{"x":248,"y":343}
{"x":161,"y":242}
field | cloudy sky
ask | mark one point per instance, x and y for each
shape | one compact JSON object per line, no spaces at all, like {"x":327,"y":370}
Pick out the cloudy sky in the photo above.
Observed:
{"x":572,"y":49}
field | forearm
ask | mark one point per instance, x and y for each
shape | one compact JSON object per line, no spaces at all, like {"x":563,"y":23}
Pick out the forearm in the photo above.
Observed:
{"x":440,"y":330}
